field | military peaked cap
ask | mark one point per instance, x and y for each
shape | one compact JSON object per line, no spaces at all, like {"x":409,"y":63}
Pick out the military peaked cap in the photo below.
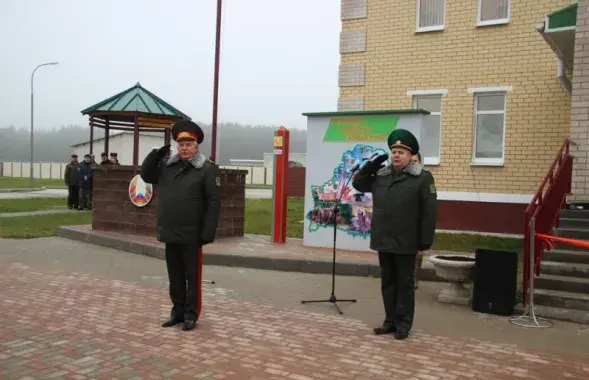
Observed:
{"x":187,"y":130}
{"x":402,"y":138}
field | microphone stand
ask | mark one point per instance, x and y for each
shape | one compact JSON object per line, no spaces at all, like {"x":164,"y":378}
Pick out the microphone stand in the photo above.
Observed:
{"x":333,"y":299}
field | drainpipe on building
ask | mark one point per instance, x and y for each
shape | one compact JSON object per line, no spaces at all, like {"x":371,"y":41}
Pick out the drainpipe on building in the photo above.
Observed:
{"x":560,"y":67}
{"x":562,"y":77}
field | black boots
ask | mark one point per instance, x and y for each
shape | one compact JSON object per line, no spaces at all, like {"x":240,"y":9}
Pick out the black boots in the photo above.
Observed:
{"x":173,"y":321}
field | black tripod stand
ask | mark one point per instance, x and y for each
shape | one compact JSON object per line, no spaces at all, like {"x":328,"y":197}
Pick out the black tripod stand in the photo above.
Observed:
{"x":333,"y":299}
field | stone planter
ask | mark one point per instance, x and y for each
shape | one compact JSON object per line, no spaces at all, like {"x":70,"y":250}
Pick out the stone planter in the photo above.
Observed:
{"x":456,"y":270}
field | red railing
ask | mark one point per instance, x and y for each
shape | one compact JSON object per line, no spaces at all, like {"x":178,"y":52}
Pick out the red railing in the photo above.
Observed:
{"x":544,"y":207}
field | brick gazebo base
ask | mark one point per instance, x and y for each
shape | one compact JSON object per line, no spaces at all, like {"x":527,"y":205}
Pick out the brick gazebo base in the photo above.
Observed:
{"x":112,"y":210}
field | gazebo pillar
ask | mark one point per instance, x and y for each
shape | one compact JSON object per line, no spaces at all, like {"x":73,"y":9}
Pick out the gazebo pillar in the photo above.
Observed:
{"x":91,"y":135}
{"x":135,"y":142}
{"x":106,"y":134}
{"x":167,"y":139}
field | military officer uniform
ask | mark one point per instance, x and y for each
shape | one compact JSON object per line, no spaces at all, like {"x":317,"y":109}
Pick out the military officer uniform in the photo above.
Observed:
{"x":403,"y":223}
{"x":187,"y":218}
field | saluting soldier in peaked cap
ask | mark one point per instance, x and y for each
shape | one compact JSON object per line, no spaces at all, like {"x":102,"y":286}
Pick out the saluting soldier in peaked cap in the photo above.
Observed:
{"x":187,"y":130}
{"x":187,"y":216}
{"x":403,"y":223}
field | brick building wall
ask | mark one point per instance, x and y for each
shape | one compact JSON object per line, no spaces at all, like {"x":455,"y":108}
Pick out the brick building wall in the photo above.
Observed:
{"x":580,"y":106}
{"x":383,"y":59}
{"x":296,"y":182}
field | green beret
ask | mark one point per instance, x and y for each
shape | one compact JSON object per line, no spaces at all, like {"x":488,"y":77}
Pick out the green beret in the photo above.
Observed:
{"x":402,"y":138}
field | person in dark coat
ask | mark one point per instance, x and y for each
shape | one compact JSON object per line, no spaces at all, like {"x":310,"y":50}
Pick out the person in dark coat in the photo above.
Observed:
{"x":85,"y":183}
{"x":104,"y":159}
{"x":114,"y":158}
{"x":404,"y":217}
{"x":187,"y":216}
{"x":71,"y":181}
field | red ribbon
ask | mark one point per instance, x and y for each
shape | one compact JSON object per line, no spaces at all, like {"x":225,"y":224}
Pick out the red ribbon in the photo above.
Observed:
{"x":549,"y":238}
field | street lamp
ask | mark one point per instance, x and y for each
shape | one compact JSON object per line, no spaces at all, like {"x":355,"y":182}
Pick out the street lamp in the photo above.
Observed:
{"x":214,"y":154}
{"x":32,"y":121}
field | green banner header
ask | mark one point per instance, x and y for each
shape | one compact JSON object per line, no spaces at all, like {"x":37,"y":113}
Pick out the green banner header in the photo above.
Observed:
{"x":369,"y":128}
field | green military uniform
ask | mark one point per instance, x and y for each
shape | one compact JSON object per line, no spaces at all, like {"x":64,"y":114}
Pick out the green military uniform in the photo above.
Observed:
{"x":403,"y":223}
{"x":187,"y":218}
{"x":71,"y":181}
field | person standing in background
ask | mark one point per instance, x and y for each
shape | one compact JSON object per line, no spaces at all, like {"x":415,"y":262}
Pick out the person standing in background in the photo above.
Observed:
{"x":85,"y":183}
{"x":70,"y":178}
{"x":104,"y":159}
{"x":114,"y":159}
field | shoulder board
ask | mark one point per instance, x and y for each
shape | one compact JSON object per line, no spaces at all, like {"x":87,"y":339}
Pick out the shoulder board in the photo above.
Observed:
{"x":211,"y":161}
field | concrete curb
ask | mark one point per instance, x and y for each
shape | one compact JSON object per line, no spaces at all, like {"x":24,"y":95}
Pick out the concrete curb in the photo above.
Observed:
{"x":22,"y":190}
{"x":242,"y":261}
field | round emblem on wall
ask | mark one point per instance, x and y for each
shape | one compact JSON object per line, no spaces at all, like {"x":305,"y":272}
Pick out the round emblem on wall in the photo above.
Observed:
{"x":140,"y":192}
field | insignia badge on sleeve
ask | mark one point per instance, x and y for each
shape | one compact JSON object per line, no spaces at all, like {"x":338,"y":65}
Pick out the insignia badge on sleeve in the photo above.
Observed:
{"x":218,"y":181}
{"x":432,"y":188}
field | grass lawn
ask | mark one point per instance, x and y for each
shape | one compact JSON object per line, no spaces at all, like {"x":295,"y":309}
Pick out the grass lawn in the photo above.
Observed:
{"x":33,"y":204}
{"x":27,"y":227}
{"x":257,"y":221}
{"x":257,"y":186}
{"x":23,"y":183}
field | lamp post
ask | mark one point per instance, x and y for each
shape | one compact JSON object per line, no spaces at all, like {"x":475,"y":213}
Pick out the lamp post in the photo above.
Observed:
{"x":214,"y":154}
{"x":32,"y":119}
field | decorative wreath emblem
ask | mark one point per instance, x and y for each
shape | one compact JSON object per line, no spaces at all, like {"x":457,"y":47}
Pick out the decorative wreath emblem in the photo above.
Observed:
{"x":140,"y":192}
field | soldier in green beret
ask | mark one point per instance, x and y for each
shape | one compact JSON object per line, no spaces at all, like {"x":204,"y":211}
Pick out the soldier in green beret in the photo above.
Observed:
{"x":403,"y":223}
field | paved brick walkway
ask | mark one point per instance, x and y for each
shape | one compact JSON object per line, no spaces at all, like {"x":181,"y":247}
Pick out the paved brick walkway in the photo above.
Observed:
{"x":55,"y":324}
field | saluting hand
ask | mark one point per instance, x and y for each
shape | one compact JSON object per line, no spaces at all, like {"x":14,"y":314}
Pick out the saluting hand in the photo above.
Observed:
{"x":377,"y":162}
{"x":164,"y":150}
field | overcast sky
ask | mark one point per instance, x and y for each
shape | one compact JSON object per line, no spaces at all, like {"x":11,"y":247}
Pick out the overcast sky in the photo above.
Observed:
{"x":279,"y":58}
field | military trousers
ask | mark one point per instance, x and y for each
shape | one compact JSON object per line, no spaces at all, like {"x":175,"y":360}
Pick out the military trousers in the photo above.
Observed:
{"x":73,"y":196}
{"x":85,"y":198}
{"x":184,"y":263}
{"x":398,"y":288}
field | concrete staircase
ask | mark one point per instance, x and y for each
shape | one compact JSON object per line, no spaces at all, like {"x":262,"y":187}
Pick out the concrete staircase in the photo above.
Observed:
{"x":562,"y":289}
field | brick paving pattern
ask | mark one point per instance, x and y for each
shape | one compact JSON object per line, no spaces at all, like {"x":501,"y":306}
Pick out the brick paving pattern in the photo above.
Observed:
{"x":55,"y":324}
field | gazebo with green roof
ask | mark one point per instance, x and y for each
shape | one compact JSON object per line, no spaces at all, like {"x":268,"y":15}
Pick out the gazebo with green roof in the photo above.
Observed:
{"x":135,"y":109}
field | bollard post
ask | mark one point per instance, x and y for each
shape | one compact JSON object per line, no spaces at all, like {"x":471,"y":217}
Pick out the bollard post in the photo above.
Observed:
{"x":280,"y":185}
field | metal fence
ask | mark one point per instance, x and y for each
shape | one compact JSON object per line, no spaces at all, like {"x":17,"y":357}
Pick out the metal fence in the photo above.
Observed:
{"x":257,"y":175}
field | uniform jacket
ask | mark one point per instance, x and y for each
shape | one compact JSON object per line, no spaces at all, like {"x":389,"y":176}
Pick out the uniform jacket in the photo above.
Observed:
{"x":189,"y":197}
{"x":404,"y":208}
{"x":71,"y":174}
{"x":85,"y":175}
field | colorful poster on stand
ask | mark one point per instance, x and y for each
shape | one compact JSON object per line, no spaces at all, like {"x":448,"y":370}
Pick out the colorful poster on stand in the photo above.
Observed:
{"x":355,"y":210}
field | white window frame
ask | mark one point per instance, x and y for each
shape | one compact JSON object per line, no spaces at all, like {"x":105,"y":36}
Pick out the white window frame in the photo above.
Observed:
{"x":414,"y":94}
{"x":488,"y":91}
{"x":435,"y":28}
{"x":498,"y":21}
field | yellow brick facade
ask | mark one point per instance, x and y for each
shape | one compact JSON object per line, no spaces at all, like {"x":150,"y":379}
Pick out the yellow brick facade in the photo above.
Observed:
{"x":463,"y":56}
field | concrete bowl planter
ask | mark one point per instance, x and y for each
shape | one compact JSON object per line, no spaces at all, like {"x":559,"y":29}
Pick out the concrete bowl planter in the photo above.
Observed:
{"x":457,"y":270}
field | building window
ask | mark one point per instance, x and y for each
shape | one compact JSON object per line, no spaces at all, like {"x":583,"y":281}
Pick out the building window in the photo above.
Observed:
{"x":432,"y":128}
{"x":493,"y":12}
{"x":430,"y":15}
{"x":489,"y":128}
